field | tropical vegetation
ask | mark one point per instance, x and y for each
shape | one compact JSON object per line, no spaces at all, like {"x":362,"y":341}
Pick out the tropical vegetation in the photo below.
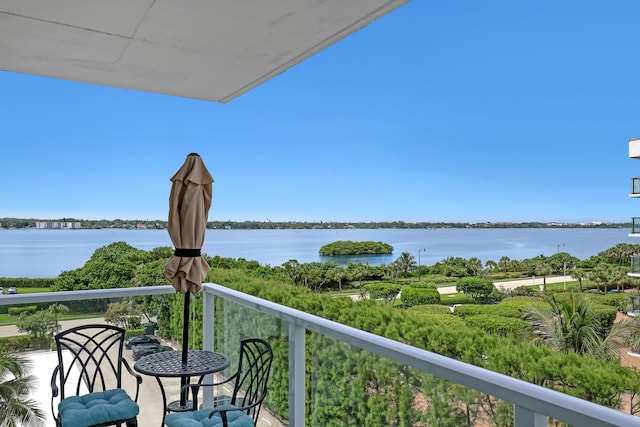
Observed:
{"x":568,"y":341}
{"x":16,"y":407}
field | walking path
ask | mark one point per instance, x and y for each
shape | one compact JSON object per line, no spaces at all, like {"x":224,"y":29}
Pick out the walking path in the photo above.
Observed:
{"x":512,"y":284}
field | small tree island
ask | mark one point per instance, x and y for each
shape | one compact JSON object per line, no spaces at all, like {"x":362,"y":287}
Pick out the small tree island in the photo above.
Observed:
{"x":347,"y":247}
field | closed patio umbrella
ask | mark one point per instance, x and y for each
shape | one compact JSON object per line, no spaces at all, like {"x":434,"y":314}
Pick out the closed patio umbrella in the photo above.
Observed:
{"x":189,"y":204}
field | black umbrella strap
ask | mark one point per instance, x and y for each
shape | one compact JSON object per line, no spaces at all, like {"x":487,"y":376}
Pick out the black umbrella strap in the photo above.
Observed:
{"x":187,"y":252}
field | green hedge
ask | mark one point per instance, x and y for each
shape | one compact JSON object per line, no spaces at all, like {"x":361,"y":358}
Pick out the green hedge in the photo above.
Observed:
{"x":431,"y":309}
{"x":384,"y":291}
{"x":83,"y":306}
{"x":491,"y":310}
{"x":21,"y":343}
{"x":503,"y":326}
{"x":620,"y":301}
{"x":525,"y":303}
{"x":17,"y":311}
{"x":25,"y":282}
{"x":459,"y":298}
{"x":604,"y":307}
{"x":477,"y":287}
{"x":445,"y":321}
{"x":605,"y":314}
{"x":423,"y":285}
{"x":419,"y":296}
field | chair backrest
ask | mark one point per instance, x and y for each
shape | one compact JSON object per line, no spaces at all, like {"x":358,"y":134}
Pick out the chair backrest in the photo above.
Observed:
{"x":89,"y":357}
{"x":256,"y":357}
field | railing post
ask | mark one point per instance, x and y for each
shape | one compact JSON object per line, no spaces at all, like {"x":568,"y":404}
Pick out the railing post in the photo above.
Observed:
{"x":297,"y":375}
{"x":208,"y":307}
{"x":527,"y":418}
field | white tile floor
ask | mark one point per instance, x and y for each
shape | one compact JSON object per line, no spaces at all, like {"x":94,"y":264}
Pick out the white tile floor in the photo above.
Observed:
{"x":42,"y":366}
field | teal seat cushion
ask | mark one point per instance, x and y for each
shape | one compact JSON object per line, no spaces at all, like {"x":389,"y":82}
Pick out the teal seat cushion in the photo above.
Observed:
{"x":201,"y":418}
{"x":97,"y":408}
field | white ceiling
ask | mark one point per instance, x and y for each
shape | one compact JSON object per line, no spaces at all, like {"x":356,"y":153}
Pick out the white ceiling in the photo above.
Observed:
{"x":205,"y":49}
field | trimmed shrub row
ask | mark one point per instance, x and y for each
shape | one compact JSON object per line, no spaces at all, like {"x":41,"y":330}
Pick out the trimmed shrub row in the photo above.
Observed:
{"x":25,"y":282}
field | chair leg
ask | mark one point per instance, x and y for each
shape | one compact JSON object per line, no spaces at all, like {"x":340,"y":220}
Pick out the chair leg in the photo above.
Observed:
{"x":132,"y":423}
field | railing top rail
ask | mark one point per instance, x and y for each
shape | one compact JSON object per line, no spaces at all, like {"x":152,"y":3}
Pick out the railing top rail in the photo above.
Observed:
{"x":89,"y":294}
{"x":535,"y":398}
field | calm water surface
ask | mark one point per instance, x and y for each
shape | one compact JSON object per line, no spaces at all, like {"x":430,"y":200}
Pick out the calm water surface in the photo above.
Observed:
{"x":46,"y":253}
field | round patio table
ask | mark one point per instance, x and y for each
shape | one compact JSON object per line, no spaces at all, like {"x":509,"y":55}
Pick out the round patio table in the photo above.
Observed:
{"x":168,"y":364}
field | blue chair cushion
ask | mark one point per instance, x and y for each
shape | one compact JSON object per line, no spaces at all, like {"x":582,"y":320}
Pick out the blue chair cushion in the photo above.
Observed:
{"x":201,"y":418}
{"x":97,"y":408}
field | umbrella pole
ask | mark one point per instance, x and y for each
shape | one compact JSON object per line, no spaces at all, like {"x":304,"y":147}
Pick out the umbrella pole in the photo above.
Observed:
{"x":185,"y":346}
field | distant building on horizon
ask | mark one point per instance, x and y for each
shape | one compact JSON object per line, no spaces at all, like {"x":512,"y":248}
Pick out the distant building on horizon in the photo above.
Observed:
{"x":58,"y":225}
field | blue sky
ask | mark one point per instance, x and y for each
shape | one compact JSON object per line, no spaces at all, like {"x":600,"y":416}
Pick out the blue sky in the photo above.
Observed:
{"x":440,"y":111}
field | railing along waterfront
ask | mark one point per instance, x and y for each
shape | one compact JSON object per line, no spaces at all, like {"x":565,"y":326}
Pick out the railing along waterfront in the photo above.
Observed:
{"x":534,"y":405}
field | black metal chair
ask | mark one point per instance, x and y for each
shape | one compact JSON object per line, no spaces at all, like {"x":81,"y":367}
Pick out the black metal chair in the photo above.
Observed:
{"x":87,"y":383}
{"x":242,"y":408}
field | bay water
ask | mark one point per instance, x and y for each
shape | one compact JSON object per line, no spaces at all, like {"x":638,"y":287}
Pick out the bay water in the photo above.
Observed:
{"x":46,"y":253}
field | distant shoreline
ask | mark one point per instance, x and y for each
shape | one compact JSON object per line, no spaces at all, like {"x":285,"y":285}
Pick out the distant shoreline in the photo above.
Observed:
{"x":18,"y":223}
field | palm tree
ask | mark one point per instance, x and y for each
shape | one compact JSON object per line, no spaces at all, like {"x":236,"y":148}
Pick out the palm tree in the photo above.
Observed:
{"x":504,"y":263}
{"x":15,"y":385}
{"x":305,"y":271}
{"x":292,"y":269}
{"x":491,"y":265}
{"x":620,"y":253}
{"x":336,"y":273}
{"x":579,"y":275}
{"x":601,"y":274}
{"x":569,"y":325}
{"x":406,"y":263}
{"x":358,"y":273}
{"x":543,"y":269}
{"x":475,"y":265}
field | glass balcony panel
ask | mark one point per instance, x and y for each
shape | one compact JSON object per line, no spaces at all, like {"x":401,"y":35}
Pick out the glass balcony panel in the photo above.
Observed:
{"x":234,"y":322}
{"x":635,"y":185}
{"x":635,"y":264}
{"x":354,"y":387}
{"x":635,"y":221}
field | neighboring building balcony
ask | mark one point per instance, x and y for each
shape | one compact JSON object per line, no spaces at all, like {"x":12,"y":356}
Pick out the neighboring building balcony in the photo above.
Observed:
{"x":635,"y":266}
{"x":634,"y":148}
{"x":635,"y":187}
{"x":308,"y":348}
{"x":635,"y":227}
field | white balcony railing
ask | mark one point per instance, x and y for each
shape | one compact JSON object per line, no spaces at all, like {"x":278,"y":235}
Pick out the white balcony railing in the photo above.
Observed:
{"x":534,"y":405}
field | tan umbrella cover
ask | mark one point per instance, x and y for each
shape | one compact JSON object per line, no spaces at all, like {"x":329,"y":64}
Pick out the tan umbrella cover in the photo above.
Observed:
{"x":189,"y":204}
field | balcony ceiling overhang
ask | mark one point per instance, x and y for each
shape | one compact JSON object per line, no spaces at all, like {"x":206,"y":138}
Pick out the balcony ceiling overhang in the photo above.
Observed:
{"x":210,"y":50}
